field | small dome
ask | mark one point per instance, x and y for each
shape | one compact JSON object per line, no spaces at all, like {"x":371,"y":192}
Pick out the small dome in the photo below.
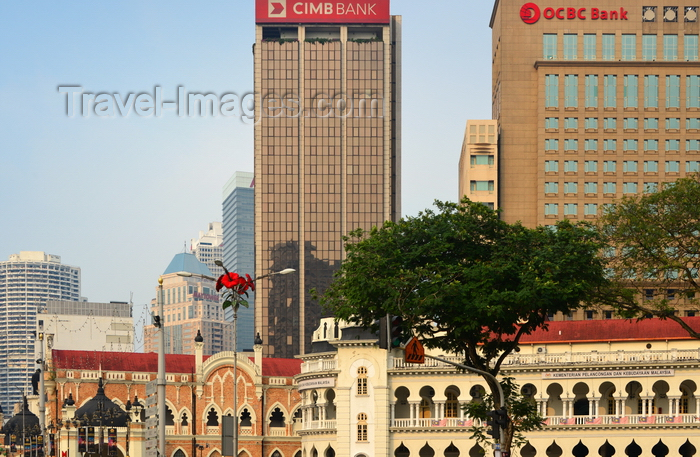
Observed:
{"x":69,"y":401}
{"x":258,"y":340}
{"x":199,"y":338}
{"x":100,"y":410}
{"x":24,"y":419}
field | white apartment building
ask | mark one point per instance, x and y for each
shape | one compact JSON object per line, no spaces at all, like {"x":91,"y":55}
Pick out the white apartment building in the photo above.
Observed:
{"x":27,"y":281}
{"x":210,"y":247}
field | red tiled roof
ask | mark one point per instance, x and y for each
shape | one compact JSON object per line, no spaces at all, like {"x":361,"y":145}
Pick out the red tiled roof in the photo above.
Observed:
{"x":148,"y":362}
{"x":122,"y":361}
{"x":611,"y":330}
{"x":280,"y":367}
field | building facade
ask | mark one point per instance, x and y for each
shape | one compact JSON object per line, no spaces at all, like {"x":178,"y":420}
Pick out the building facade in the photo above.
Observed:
{"x":190,"y":304}
{"x":239,"y":246}
{"x":89,"y":326}
{"x":199,"y":393}
{"x":327,"y":150}
{"x":27,"y":281}
{"x":208,"y":248}
{"x":478,"y":170}
{"x":594,"y":101}
{"x":605,"y":388}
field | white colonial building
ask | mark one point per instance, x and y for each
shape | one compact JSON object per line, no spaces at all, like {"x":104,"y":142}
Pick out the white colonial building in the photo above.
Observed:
{"x":605,"y":387}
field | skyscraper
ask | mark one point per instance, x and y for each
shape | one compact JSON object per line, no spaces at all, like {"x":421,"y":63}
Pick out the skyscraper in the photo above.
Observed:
{"x":208,"y":248}
{"x":189,"y":304}
{"x":594,"y":101}
{"x":27,"y":281}
{"x":239,"y":248}
{"x":327,"y":149}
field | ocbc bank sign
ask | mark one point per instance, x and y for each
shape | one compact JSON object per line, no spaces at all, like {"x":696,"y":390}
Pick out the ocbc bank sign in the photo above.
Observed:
{"x":531,"y":13}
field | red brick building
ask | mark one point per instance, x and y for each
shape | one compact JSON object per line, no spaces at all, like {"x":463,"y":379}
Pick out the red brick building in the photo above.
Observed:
{"x":199,"y":392}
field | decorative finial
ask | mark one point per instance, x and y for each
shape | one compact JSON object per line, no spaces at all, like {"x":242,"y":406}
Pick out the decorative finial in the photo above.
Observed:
{"x":198,"y":338}
{"x":258,"y":340}
{"x":160,"y":280}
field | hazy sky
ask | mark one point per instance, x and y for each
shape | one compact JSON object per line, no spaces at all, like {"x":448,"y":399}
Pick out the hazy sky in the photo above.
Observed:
{"x":119,"y":196}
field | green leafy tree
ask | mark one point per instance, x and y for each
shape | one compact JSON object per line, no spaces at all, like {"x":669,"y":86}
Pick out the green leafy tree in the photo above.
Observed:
{"x":522,"y":412}
{"x":654,"y":262}
{"x":464,"y":280}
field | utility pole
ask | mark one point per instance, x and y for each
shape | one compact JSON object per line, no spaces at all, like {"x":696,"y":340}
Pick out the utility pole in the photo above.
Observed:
{"x":42,"y":398}
{"x":160,"y":381}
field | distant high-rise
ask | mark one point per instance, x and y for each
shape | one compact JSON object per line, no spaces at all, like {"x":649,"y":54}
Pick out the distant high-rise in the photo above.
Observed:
{"x":27,"y":281}
{"x":239,"y":247}
{"x":327,"y":150}
{"x":189,"y":303}
{"x":209,"y":247}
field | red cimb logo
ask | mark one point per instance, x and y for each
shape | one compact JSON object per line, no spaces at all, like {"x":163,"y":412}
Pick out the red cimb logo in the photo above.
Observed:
{"x":530,"y":13}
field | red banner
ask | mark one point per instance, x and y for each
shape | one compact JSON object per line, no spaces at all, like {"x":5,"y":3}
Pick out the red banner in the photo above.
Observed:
{"x":322,"y":12}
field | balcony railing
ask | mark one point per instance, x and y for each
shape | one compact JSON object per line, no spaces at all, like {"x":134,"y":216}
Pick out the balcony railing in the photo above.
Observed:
{"x":277,"y":431}
{"x":558,"y":421}
{"x":451,"y":422}
{"x":313,"y":366}
{"x":317,"y":425}
{"x":635,"y":419}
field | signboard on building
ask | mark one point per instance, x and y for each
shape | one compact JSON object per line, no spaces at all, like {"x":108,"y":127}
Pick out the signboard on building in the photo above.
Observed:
{"x":316,"y":383}
{"x":531,"y":13}
{"x":607,"y":374}
{"x":322,"y":12}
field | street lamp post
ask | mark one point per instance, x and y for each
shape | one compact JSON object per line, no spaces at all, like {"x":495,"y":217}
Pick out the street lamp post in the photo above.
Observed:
{"x":236,"y":300}
{"x":161,"y":372}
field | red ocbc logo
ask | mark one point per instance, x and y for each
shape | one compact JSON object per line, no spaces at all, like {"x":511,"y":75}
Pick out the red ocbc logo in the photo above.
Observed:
{"x":530,"y":13}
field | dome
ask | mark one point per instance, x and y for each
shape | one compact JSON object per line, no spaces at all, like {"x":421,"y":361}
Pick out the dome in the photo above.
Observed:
{"x":187,"y":263}
{"x":100,"y":410}
{"x":24,"y":419}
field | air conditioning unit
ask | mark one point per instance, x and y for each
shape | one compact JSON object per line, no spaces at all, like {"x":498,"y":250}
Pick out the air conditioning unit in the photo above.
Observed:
{"x":541,"y":350}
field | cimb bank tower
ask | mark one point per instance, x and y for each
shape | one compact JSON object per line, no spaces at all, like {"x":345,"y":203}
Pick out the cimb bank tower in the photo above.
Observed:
{"x":327,"y":149}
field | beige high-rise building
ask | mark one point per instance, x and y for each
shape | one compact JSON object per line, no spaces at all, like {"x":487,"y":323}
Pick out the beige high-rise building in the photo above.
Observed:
{"x":594,"y":101}
{"x":190,"y":304}
{"x":327,"y":150}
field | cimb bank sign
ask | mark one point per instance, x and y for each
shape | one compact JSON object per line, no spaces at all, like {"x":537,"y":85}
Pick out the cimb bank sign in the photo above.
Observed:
{"x":322,"y":12}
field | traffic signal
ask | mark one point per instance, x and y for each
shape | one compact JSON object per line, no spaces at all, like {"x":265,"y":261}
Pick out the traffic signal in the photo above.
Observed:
{"x":396,"y":331}
{"x":502,"y":418}
{"x":495,"y":430}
